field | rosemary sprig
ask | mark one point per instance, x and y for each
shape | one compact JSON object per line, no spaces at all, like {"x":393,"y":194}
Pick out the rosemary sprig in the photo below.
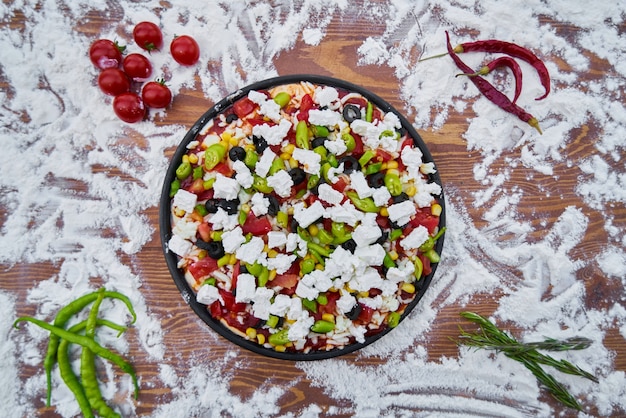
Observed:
{"x":492,"y":338}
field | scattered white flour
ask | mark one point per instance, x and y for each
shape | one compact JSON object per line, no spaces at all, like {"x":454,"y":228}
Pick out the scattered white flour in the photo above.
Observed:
{"x":58,"y":132}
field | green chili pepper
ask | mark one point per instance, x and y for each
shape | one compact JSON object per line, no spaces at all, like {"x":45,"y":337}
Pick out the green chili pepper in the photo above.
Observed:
{"x":201,"y":209}
{"x":419,"y":268}
{"x":254,"y":269}
{"x":307,"y":265}
{"x":320,"y":131}
{"x":366,"y":157}
{"x":321,"y":151}
{"x":282,"y":219}
{"x":302,"y":135}
{"x":312,"y":182}
{"x":264,"y":277}
{"x":211,"y":281}
{"x":88,"y":343}
{"x":71,"y":380}
{"x":332,"y":160}
{"x":369,"y":112}
{"x":279,"y":338}
{"x":318,"y":249}
{"x":243,"y":215}
{"x":429,"y":244}
{"x":373,"y":168}
{"x":198,"y":172}
{"x":304,"y":234}
{"x":349,"y":141}
{"x":311,"y":305}
{"x":277,"y":165}
{"x":282,"y":99}
{"x":223,"y":261}
{"x":174,"y":187}
{"x":322,"y":299}
{"x":260,"y":185}
{"x":251,"y":158}
{"x":214,"y":155}
{"x":322,"y":327}
{"x":363,"y":204}
{"x":184,"y":170}
{"x":393,"y":319}
{"x":432,"y":255}
{"x":300,"y":193}
{"x":388,"y":262}
{"x":272,"y":321}
{"x":324,"y":237}
{"x":317,"y":256}
{"x":325,"y":168}
{"x":393,"y":183}
{"x":61,"y":319}
{"x":389,"y":132}
{"x":395,"y":234}
{"x":208,"y":184}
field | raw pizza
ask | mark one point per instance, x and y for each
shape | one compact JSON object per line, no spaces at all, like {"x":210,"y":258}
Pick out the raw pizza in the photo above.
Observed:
{"x":304,"y":218}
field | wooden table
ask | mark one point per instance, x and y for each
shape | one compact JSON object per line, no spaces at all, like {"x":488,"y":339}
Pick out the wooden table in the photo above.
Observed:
{"x":336,"y":56}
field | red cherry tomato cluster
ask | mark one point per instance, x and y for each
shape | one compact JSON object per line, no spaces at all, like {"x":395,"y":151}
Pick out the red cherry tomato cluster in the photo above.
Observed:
{"x":121,"y":74}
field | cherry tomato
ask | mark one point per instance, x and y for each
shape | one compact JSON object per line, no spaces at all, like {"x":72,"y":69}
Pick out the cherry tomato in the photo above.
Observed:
{"x":185,"y":50}
{"x":156,"y":94}
{"x":106,"y":54}
{"x":148,"y":36}
{"x":129,"y":107}
{"x":137,"y":67}
{"x":113,"y":81}
{"x":243,"y":107}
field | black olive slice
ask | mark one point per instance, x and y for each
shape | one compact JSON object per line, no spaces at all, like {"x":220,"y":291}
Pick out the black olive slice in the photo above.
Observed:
{"x":237,"y":154}
{"x":351,"y":113}
{"x":350,"y":164}
{"x":297,"y":175}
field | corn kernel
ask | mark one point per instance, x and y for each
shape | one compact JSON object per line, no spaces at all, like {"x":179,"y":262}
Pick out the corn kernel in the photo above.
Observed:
{"x":319,"y":266}
{"x":280,"y":348}
{"x":328,"y":317}
{"x":410,"y":191}
{"x":226,"y":136}
{"x":251,"y":333}
{"x":185,"y":158}
{"x":233,"y":141}
{"x":393,"y":255}
{"x":193,"y":158}
{"x":272,"y":253}
{"x":179,"y":212}
{"x":392,"y":164}
{"x":364,"y":294}
{"x":313,"y":230}
{"x":384,"y":212}
{"x":408,"y":287}
{"x":436,"y":209}
{"x":233,"y":260}
{"x":285,"y":156}
{"x":260,"y":338}
{"x":272,"y":275}
{"x":289,"y":148}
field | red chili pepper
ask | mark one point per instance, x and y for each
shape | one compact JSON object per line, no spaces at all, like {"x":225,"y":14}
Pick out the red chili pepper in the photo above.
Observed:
{"x":491,"y":93}
{"x":498,"y":63}
{"x":513,"y":50}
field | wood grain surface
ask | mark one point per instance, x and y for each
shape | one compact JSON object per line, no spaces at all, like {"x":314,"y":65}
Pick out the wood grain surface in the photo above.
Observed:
{"x":335,"y":56}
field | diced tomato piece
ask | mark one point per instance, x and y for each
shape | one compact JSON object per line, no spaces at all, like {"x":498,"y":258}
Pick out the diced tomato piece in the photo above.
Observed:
{"x":365,"y":316}
{"x":341,"y":183}
{"x":229,"y":302}
{"x":285,"y":280}
{"x":377,"y":115}
{"x":358,"y":101}
{"x":224,"y":169}
{"x":331,"y":305}
{"x":306,"y":104}
{"x":243,"y":107}
{"x":358,"y":147}
{"x":216,"y":309}
{"x":202,"y":268}
{"x":204,"y":230}
{"x":427,"y":267}
{"x":197,"y":186}
{"x":382,"y":155}
{"x":256,"y":226}
{"x":383,"y":222}
{"x":426,"y":219}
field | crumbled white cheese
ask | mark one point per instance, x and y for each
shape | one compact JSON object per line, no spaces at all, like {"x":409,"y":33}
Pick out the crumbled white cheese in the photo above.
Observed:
{"x":281,"y":182}
{"x":372,"y":255}
{"x":428,"y":168}
{"x":412,"y":159}
{"x":417,"y":237}
{"x":346,"y":302}
{"x":359,"y":183}
{"x":207,"y":294}
{"x":310,"y":160}
{"x":295,"y":309}
{"x":185,"y":200}
{"x":264,"y":163}
{"x":273,"y":134}
{"x":336,"y":146}
{"x":346,"y":213}
{"x":246,"y":287}
{"x":251,"y":251}
{"x":281,"y":305}
{"x":300,"y":328}
{"x":243,"y":176}
{"x":369,"y":279}
{"x":222,"y":220}
{"x":179,"y":246}
{"x":381,"y":196}
{"x":262,"y":302}
{"x":327,"y":117}
{"x":306,"y":291}
{"x":329,"y":195}
{"x":225,"y":187}
{"x":267,"y":107}
{"x":281,"y":263}
{"x":325,"y":96}
{"x":401,"y":212}
{"x":365,"y":234}
{"x":374,"y":303}
{"x":306,"y":216}
{"x":333,"y":173}
{"x":231,"y":240}
{"x":185,"y":229}
{"x":276,"y":239}
{"x":401,"y":273}
{"x":260,"y":204}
